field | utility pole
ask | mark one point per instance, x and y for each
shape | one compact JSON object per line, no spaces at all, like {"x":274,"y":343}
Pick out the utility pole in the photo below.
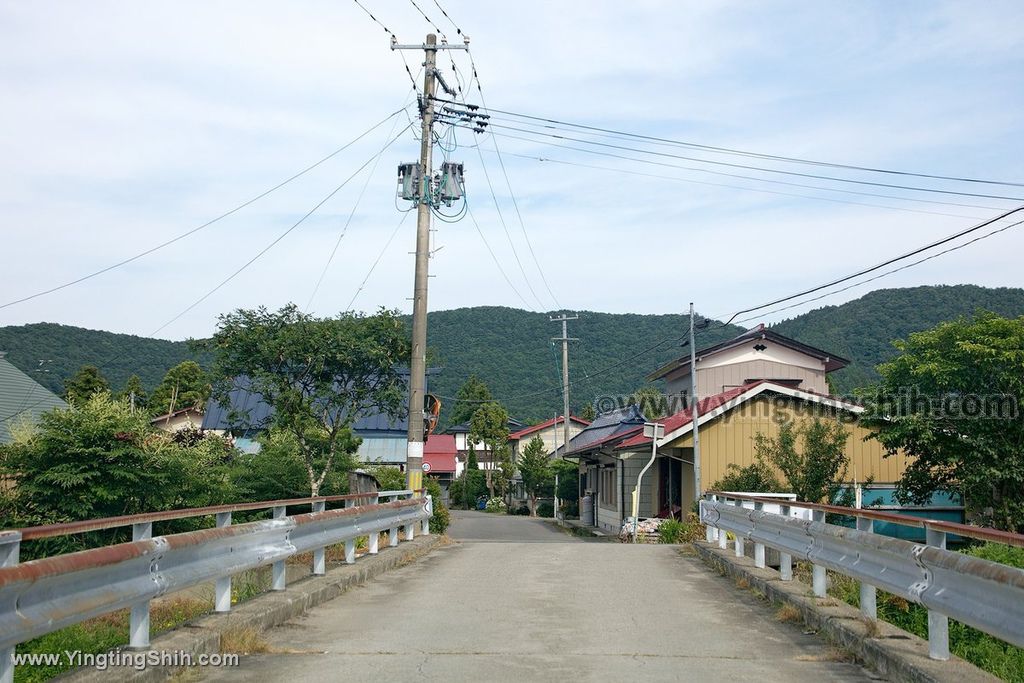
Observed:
{"x":694,"y":412}
{"x":423,"y":175}
{"x":565,"y":339}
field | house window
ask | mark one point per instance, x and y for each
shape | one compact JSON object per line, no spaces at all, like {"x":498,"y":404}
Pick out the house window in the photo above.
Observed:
{"x":609,"y":487}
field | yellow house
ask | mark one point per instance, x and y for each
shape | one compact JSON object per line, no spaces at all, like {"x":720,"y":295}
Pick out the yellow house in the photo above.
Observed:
{"x":741,"y":403}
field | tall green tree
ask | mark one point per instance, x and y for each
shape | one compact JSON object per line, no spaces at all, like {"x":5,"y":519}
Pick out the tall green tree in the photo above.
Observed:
{"x":652,"y":403}
{"x":318,"y":374}
{"x":587,"y":412}
{"x":84,"y":384}
{"x":134,"y":393}
{"x":184,"y":386}
{"x":952,"y":402}
{"x":472,"y":394}
{"x":816,"y":468}
{"x":535,"y":469}
{"x":489,"y":425}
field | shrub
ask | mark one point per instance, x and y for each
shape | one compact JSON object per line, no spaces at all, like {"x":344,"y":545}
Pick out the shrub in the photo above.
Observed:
{"x":441,"y":518}
{"x":670,"y":531}
{"x":496,"y":505}
{"x":522,"y":510}
{"x":545,"y":509}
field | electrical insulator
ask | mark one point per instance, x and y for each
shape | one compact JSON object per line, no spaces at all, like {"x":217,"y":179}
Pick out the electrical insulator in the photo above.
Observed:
{"x":409,"y":181}
{"x":452,"y":187}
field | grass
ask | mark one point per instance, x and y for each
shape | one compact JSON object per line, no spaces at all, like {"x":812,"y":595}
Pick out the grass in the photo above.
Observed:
{"x":103,"y":634}
{"x":788,"y":614}
{"x":980,"y":649}
{"x":243,"y":641}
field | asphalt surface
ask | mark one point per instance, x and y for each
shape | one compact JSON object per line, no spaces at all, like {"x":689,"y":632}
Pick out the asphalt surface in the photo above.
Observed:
{"x":517,"y":599}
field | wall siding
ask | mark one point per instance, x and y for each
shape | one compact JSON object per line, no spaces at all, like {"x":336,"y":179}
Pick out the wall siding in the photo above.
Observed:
{"x":730,"y":439}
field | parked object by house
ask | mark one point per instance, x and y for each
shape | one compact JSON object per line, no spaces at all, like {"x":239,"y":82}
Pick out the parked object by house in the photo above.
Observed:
{"x":22,"y":400}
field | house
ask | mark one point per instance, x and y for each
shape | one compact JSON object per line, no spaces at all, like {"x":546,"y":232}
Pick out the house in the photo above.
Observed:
{"x":739,"y":401}
{"x":483,"y":456}
{"x":384,"y":438}
{"x":551,"y":433}
{"x":22,"y":400}
{"x":186,"y":418}
{"x":441,"y":461}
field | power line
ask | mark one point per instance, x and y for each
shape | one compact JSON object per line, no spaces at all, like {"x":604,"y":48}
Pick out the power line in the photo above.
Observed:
{"x":864,"y":271}
{"x":394,"y":39}
{"x":759,"y":155}
{"x":352,"y":213}
{"x":881,"y":265}
{"x":494,"y":258}
{"x":376,"y":261}
{"x":740,"y":187}
{"x":206,"y":224}
{"x":280,"y":237}
{"x":504,"y":171}
{"x":764,"y":169}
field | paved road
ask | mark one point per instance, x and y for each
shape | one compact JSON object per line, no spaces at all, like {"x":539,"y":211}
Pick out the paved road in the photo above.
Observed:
{"x":518,"y":600}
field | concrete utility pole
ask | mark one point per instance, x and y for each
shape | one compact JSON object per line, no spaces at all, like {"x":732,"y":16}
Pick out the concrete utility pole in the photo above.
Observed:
{"x":425,"y":203}
{"x":565,"y":339}
{"x":694,"y":412}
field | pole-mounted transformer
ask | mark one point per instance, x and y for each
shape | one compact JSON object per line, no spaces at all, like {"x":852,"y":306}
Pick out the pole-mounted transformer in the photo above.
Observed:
{"x":444,"y":187}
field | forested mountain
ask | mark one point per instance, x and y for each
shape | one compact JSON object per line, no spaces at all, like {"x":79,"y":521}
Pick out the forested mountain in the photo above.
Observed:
{"x":51,"y":353}
{"x":863,"y":330}
{"x":512,"y":352}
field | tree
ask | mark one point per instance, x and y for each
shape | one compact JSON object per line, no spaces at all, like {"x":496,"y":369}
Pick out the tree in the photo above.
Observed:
{"x":84,"y":384}
{"x":816,"y":472}
{"x":101,"y":459}
{"x":568,"y":490}
{"x":318,"y":374}
{"x":588,"y":413}
{"x":757,"y":477}
{"x":535,"y":469}
{"x":134,"y":393}
{"x":184,"y":386}
{"x":951,"y":403}
{"x":652,"y":403}
{"x":472,"y":394}
{"x":489,"y":425}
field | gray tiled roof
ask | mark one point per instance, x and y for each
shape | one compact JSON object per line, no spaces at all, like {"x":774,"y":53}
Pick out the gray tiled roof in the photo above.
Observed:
{"x":22,"y":399}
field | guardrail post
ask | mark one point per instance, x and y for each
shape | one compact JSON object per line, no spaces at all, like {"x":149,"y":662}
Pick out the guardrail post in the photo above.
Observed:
{"x":393,"y":536}
{"x":759,"y":547}
{"x":738,"y":545}
{"x":138,"y":621}
{"x":374,"y":543}
{"x":10,"y":551}
{"x":279,"y":578}
{"x":410,"y":531}
{"x":222,"y":588}
{"x":320,"y":554}
{"x":723,"y":536}
{"x":350,"y":551}
{"x":938,"y":624}
{"x":868,"y":593}
{"x":818,"y":576}
{"x":785,"y":559}
{"x":425,"y":522}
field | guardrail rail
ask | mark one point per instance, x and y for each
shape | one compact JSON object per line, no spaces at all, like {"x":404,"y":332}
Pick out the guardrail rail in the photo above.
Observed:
{"x":986,"y":595}
{"x":44,"y":595}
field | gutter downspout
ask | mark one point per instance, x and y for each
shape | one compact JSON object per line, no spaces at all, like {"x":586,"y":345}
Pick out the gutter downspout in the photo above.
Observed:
{"x":639,"y":481}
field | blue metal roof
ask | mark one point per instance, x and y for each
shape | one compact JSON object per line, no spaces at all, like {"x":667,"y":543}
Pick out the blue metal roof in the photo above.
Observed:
{"x":248,"y":412}
{"x":606,"y":426}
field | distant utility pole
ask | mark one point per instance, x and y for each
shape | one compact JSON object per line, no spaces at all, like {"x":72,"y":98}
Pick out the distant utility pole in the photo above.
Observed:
{"x":694,"y":411}
{"x":565,"y":339}
{"x":418,"y":184}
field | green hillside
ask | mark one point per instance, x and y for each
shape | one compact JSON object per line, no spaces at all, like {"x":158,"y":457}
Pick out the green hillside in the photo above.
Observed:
{"x":511,"y":349}
{"x":863,"y":330}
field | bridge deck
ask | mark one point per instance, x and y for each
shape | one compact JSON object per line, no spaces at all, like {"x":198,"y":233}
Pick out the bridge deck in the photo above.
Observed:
{"x":518,"y":600}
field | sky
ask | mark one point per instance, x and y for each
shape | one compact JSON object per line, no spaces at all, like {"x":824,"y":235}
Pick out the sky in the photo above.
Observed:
{"x":124,"y":125}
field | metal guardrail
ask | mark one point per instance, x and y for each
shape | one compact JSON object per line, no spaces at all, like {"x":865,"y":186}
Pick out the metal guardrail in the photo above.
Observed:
{"x":986,"y":595}
{"x":45,"y":595}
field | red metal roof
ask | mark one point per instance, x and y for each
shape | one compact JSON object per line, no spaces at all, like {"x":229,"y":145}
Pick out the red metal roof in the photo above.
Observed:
{"x":439,"y":452}
{"x":544,"y":425}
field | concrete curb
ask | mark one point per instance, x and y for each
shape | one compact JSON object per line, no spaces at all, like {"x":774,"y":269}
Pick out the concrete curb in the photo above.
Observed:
{"x":203,"y":635}
{"x":892,"y":652}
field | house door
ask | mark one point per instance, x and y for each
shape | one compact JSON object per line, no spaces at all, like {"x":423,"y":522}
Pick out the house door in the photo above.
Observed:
{"x":670,"y":495}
